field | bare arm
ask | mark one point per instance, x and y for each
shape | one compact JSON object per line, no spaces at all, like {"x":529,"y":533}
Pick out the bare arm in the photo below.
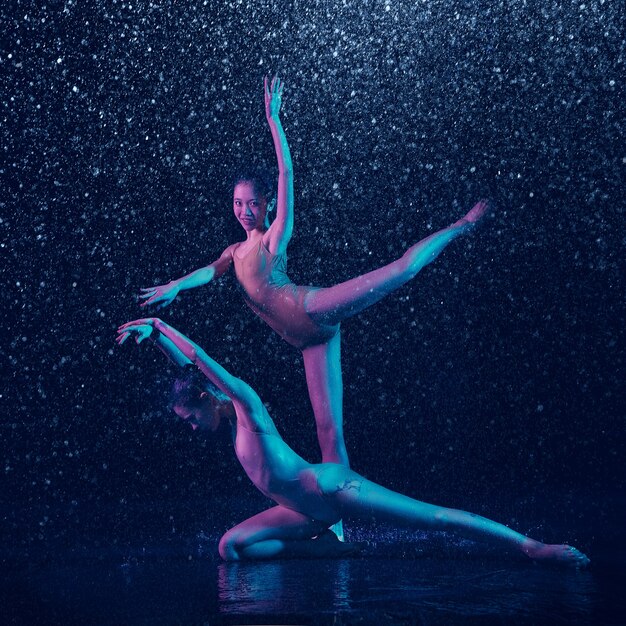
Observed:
{"x":239,"y":392}
{"x":183,"y":350}
{"x":170,"y":350}
{"x":165,"y":294}
{"x":144,"y":329}
{"x":282,"y":227}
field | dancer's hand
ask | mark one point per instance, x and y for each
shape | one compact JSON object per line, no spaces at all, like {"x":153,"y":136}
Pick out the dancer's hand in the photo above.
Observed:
{"x":143,"y":327}
{"x":273,"y":97}
{"x":161,"y":295}
{"x":143,"y":332}
{"x":476,"y":212}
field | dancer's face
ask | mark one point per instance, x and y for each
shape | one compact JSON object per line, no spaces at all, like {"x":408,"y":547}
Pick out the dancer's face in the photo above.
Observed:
{"x":202,"y":413}
{"x":250,"y":207}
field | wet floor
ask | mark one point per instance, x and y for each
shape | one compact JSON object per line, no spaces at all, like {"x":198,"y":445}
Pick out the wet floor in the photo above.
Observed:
{"x":407,"y":582}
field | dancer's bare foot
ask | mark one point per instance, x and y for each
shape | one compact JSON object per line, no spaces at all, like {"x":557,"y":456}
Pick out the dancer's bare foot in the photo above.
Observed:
{"x":337,"y":528}
{"x":556,"y":553}
{"x":474,"y":214}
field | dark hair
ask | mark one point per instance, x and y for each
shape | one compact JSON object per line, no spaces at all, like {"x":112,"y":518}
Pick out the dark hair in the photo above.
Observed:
{"x":187,"y":388}
{"x":264,"y":183}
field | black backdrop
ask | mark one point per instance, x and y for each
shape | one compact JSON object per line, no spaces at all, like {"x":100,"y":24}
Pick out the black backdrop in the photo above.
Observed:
{"x":494,"y":381}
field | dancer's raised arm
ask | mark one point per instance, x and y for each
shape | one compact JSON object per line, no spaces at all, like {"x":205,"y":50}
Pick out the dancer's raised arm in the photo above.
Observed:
{"x":165,"y":294}
{"x":281,"y":229}
{"x":175,"y":345}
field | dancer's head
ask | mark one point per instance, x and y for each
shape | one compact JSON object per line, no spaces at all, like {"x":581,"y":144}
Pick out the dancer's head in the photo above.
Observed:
{"x":253,"y":197}
{"x":200,"y":403}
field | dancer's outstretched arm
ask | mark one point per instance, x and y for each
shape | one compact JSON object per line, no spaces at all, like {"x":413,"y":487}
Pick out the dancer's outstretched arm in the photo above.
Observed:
{"x":165,"y":294}
{"x":281,"y":229}
{"x":242,"y":395}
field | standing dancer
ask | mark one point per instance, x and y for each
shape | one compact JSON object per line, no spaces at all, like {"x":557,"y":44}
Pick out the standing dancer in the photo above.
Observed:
{"x":309,"y":497}
{"x":306,"y":317}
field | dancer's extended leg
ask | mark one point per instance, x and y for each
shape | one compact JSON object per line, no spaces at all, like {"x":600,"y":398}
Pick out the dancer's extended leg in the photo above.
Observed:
{"x":280,"y":533}
{"x":334,"y":304}
{"x":356,"y":496}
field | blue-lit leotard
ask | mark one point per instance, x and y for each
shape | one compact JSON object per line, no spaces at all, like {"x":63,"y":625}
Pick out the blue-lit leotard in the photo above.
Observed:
{"x":281,"y":474}
{"x":275,"y":299}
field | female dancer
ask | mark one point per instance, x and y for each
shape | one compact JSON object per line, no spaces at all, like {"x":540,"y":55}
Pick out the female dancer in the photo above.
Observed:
{"x":309,"y":497}
{"x":306,"y":317}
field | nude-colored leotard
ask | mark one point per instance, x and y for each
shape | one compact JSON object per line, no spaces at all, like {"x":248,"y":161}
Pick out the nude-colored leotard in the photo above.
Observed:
{"x":275,"y":299}
{"x":281,"y":474}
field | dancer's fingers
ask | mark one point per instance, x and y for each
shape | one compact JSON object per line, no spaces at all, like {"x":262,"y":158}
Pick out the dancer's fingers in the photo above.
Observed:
{"x":129,"y":329}
{"x":138,"y":322}
{"x":152,"y":300}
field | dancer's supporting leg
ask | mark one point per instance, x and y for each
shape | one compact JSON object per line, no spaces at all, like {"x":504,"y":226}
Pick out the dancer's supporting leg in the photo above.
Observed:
{"x":322,"y":364}
{"x":334,"y":304}
{"x":280,"y":533}
{"x":355,"y":496}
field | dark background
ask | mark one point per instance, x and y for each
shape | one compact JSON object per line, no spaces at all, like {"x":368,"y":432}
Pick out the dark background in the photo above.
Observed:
{"x":493,"y":382}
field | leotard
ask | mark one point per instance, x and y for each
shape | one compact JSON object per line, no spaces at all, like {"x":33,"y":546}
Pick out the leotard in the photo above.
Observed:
{"x":270,"y":293}
{"x":281,"y":474}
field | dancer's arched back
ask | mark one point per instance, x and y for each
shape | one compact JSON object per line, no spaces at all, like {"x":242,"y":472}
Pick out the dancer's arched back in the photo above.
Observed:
{"x":306,"y":317}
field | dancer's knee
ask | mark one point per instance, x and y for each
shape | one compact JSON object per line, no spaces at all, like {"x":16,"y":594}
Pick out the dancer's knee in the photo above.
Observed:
{"x":451,"y":519}
{"x":230,"y":546}
{"x":442,"y":519}
{"x":328,"y":430}
{"x":409,"y":264}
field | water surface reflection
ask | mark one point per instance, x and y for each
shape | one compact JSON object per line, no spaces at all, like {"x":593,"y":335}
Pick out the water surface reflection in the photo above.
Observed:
{"x":464,"y":587}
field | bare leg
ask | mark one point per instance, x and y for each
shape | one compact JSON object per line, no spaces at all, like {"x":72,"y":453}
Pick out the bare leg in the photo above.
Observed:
{"x":334,"y":304}
{"x":322,"y":364}
{"x":280,"y":533}
{"x":358,"y":497}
